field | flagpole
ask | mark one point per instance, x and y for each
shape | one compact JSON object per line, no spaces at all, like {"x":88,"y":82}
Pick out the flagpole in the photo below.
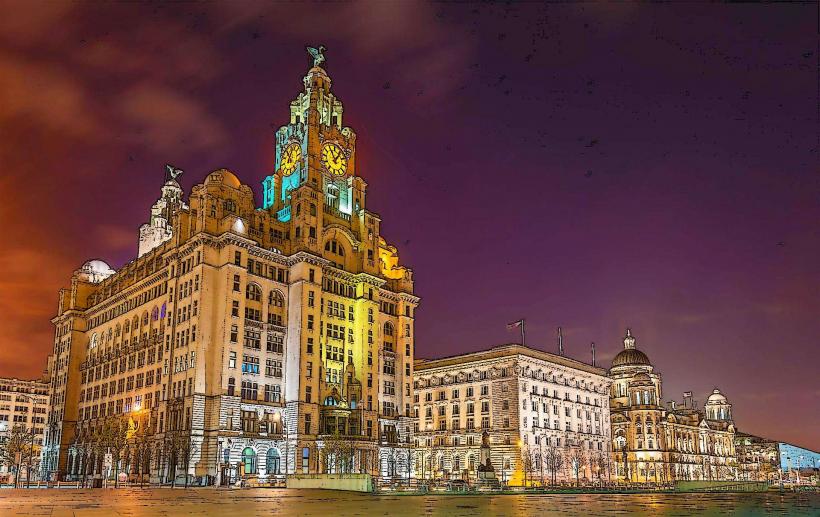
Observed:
{"x":523,"y":342}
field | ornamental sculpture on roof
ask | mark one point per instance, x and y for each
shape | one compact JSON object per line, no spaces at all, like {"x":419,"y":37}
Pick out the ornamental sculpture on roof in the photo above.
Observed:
{"x":317,"y":54}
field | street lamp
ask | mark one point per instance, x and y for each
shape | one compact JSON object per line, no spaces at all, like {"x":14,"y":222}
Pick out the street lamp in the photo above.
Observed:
{"x":799,"y":464}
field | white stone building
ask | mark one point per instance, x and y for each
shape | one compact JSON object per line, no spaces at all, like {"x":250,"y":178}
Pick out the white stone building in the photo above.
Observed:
{"x":547,"y":416}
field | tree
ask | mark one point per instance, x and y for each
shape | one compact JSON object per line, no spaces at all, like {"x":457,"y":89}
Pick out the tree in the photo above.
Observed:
{"x":553,"y":461}
{"x":576,"y":458}
{"x":17,"y":446}
{"x":526,"y":462}
{"x":142,"y":452}
{"x":337,"y":454}
{"x":114,"y":437}
{"x":80,"y":450}
{"x":602,"y":462}
{"x":185,"y":448}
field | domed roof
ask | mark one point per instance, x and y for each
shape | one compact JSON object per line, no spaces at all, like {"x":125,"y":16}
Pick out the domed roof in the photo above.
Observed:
{"x":716,"y":397}
{"x":225,"y":177}
{"x":95,"y":271}
{"x":630,"y":357}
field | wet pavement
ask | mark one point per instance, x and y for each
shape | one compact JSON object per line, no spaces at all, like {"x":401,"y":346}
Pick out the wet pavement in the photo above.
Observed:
{"x":251,"y":502}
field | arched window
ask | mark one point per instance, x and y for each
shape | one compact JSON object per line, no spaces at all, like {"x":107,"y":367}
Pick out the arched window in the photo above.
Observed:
{"x":388,"y":329}
{"x":335,"y":247}
{"x":273,"y":461}
{"x":253,"y":292}
{"x":249,"y":459}
{"x":275,"y":299}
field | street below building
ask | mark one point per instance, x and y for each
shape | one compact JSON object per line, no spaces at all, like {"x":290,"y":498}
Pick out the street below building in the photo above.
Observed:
{"x":249,"y":502}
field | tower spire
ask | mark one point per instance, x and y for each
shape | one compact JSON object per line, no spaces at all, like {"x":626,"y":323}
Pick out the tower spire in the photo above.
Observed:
{"x":560,"y":341}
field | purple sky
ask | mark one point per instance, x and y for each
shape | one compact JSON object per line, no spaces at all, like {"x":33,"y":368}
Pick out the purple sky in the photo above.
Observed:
{"x":589,"y":166}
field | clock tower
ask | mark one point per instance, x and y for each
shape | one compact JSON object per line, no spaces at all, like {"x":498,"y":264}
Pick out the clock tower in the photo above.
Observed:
{"x":315,"y":150}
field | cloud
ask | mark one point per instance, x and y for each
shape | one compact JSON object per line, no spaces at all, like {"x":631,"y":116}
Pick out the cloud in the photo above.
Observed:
{"x":164,"y":120}
{"x":117,"y":237}
{"x":45,"y":95}
{"x":24,"y":23}
{"x":407,"y":39}
{"x":28,"y":301}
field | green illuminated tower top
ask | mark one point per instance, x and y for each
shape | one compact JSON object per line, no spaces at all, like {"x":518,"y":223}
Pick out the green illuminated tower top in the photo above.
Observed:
{"x":315,"y":149}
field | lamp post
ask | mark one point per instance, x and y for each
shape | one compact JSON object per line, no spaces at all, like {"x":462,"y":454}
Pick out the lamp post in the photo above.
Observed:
{"x":799,"y":464}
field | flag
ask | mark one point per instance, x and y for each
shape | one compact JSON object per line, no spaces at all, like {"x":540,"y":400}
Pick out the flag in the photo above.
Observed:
{"x":514,"y":324}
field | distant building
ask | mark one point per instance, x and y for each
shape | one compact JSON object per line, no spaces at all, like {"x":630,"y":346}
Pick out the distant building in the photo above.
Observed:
{"x":758,"y":458}
{"x":762,"y":459}
{"x":533,"y":405}
{"x":794,"y":459}
{"x":23,"y":406}
{"x":657,"y":443}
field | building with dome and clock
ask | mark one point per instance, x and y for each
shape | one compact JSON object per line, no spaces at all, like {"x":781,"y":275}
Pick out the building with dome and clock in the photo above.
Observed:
{"x":653,"y":442}
{"x":243,"y":341}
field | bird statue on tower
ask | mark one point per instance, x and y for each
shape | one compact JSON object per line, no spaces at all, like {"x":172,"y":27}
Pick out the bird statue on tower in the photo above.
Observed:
{"x":317,"y":54}
{"x":171,"y":172}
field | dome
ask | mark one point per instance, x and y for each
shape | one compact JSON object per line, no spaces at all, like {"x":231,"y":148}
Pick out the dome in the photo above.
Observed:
{"x":225,"y":177}
{"x":95,"y":271}
{"x":716,"y":397}
{"x":630,"y":357}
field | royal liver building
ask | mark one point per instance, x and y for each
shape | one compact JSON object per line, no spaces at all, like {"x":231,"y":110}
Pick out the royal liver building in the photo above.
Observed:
{"x":243,"y":341}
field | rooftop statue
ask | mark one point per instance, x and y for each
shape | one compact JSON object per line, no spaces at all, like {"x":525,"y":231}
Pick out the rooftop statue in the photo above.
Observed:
{"x":317,"y":54}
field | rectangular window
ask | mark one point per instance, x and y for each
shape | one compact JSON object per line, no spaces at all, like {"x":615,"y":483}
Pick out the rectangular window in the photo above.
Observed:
{"x":390,"y":388}
{"x":250,"y":364}
{"x":253,"y":338}
{"x":275,"y":343}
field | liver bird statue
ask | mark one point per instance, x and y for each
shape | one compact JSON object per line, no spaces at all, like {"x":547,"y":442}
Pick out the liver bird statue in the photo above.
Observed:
{"x":171,"y":172}
{"x":317,"y":54}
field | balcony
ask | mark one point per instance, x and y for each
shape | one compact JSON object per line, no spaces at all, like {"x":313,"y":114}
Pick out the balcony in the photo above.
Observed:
{"x":335,"y":212}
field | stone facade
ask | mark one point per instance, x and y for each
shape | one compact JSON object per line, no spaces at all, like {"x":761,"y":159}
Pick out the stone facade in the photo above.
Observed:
{"x":243,"y":341}
{"x":23,"y":408}
{"x":535,"y":407}
{"x":657,"y":443}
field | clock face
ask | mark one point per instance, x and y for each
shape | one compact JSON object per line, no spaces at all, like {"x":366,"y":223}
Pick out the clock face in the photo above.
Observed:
{"x":334,"y":159}
{"x":290,"y":159}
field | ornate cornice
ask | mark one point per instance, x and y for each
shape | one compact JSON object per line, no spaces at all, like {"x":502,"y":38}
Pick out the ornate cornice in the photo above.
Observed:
{"x":123,"y":295}
{"x":310,"y":258}
{"x":340,"y":274}
{"x":369,"y":279}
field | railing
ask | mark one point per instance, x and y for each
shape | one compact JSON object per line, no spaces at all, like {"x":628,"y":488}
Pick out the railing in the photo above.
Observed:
{"x":335,"y":212}
{"x":283,"y":214}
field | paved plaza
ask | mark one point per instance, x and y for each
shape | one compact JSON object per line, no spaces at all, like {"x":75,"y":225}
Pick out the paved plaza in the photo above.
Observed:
{"x":267,"y":502}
